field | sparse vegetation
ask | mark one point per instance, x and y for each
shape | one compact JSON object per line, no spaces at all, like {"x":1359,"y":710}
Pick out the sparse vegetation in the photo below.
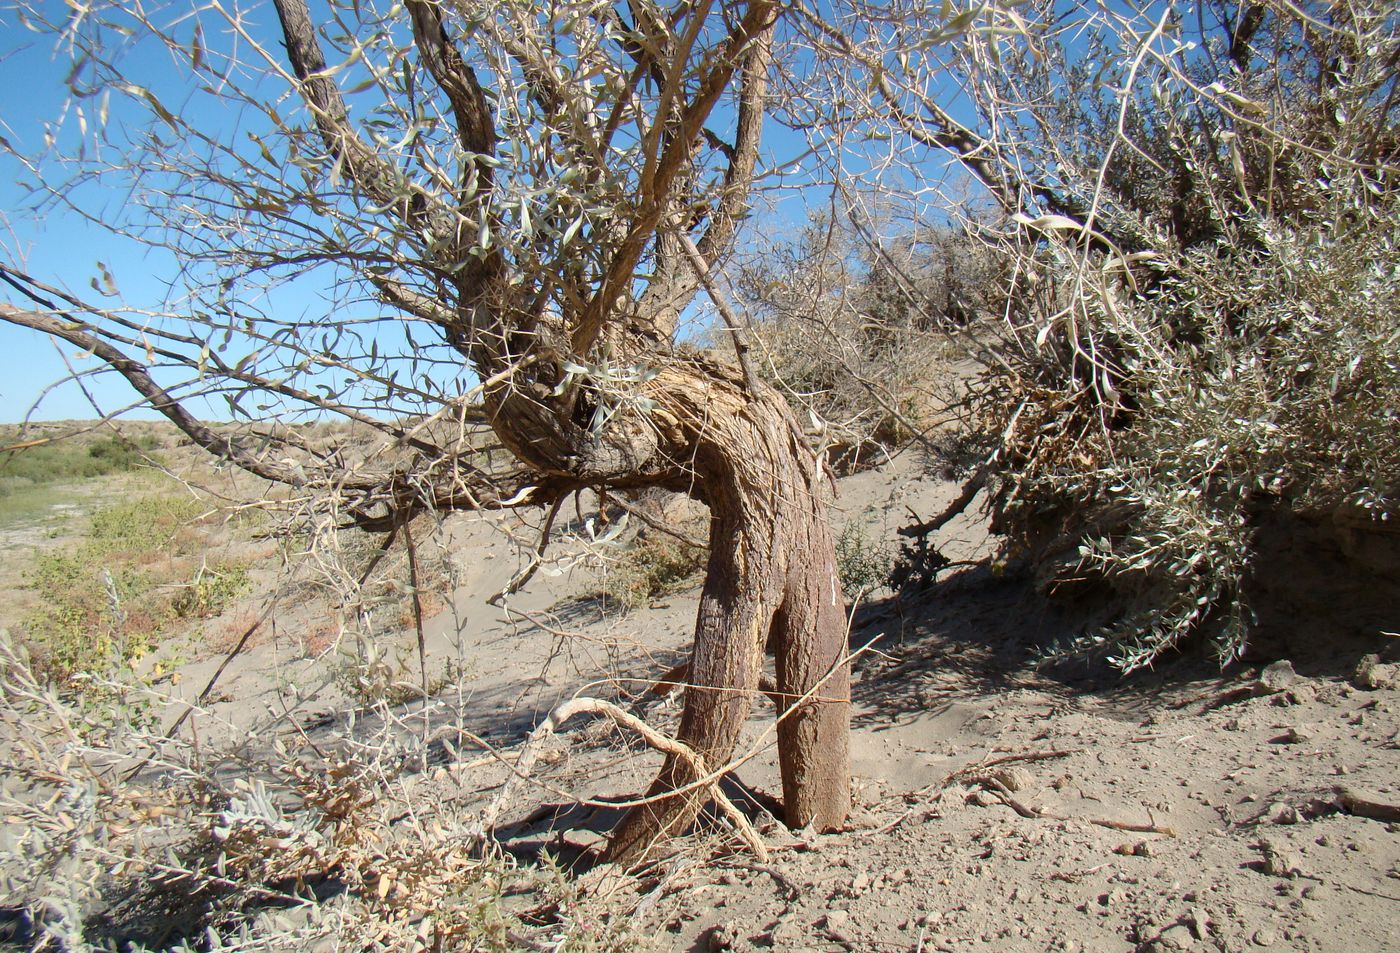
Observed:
{"x":863,"y":564}
{"x":37,"y":483}
{"x":653,"y":566}
{"x":214,"y":588}
{"x":68,"y":460}
{"x":864,"y":342}
{"x":105,"y":603}
{"x":234,"y":851}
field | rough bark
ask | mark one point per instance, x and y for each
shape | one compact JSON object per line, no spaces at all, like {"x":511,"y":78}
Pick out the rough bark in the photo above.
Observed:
{"x":771,"y":577}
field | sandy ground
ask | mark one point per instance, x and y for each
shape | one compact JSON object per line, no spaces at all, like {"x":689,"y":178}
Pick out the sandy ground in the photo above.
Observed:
{"x":1000,"y":806}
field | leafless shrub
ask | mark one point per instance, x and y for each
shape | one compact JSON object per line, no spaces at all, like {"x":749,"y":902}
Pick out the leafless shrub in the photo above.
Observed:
{"x":867,"y":338}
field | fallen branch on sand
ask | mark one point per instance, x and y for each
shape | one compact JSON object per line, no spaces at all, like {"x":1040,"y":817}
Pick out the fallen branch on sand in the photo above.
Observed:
{"x":982,"y":766}
{"x":577,"y":706}
{"x":1010,"y":800}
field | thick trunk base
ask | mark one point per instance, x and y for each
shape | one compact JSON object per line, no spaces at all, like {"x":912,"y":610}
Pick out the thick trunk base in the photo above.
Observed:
{"x":771,"y":579}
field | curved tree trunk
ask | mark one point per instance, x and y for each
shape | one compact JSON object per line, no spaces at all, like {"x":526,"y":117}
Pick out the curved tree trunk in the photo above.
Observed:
{"x":771,"y":578}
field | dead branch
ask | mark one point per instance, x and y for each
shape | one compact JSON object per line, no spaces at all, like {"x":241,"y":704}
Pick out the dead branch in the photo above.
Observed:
{"x":738,"y":329}
{"x":525,"y":575}
{"x":1129,"y":826}
{"x":1024,"y":756}
{"x":970,"y":489}
{"x":562,"y":713}
{"x":657,"y":524}
{"x":1011,"y":801}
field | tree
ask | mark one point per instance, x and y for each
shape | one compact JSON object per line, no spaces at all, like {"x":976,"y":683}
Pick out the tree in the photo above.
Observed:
{"x":542,"y":187}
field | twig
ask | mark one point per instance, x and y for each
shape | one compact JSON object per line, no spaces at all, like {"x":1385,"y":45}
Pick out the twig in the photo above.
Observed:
{"x":418,"y":625}
{"x":737,"y":328}
{"x":1010,"y":799}
{"x":1025,"y":810}
{"x":658,"y":525}
{"x":758,"y":745}
{"x":524,"y":576}
{"x":208,"y":688}
{"x":676,"y":677}
{"x":790,"y":888}
{"x":1008,"y":759}
{"x":927,"y":810}
{"x":1128,"y":826}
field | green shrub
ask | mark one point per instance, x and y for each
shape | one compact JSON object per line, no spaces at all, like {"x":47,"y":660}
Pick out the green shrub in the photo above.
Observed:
{"x":71,"y":460}
{"x":144,"y":524}
{"x":1219,"y":355}
{"x":862,"y":564}
{"x":653,"y":566}
{"x":89,"y":620}
{"x":212,"y":590}
{"x":103,"y":604}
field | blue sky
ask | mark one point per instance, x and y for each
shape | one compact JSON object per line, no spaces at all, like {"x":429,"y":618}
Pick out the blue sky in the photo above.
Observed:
{"x":59,"y":247}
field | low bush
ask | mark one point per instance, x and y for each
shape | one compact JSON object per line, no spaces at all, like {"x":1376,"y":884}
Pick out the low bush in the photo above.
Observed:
{"x":187,"y":855}
{"x":863,"y":564}
{"x":1206,"y":345}
{"x":71,"y":460}
{"x":653,"y":566}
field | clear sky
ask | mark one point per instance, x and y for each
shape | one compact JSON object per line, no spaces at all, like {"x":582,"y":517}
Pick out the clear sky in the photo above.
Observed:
{"x":58,"y":246}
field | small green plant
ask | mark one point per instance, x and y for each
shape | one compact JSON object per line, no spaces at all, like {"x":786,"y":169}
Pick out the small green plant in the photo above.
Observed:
{"x":213,"y":589}
{"x":85,"y":623}
{"x":863,"y":564}
{"x":146,"y":525}
{"x":655,"y":565}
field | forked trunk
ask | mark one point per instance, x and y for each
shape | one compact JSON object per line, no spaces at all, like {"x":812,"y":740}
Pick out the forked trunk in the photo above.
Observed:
{"x":696,"y":427}
{"x":771,"y":579}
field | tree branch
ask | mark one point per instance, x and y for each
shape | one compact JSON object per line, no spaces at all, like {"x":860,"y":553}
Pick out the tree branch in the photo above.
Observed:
{"x":463,"y":487}
{"x":71,"y":330}
{"x":758,"y":22}
{"x":671,"y":287}
{"x":381,"y":180}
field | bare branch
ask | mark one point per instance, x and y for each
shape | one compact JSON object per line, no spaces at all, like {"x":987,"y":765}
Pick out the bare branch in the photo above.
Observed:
{"x":383,"y":182}
{"x":655,"y":195}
